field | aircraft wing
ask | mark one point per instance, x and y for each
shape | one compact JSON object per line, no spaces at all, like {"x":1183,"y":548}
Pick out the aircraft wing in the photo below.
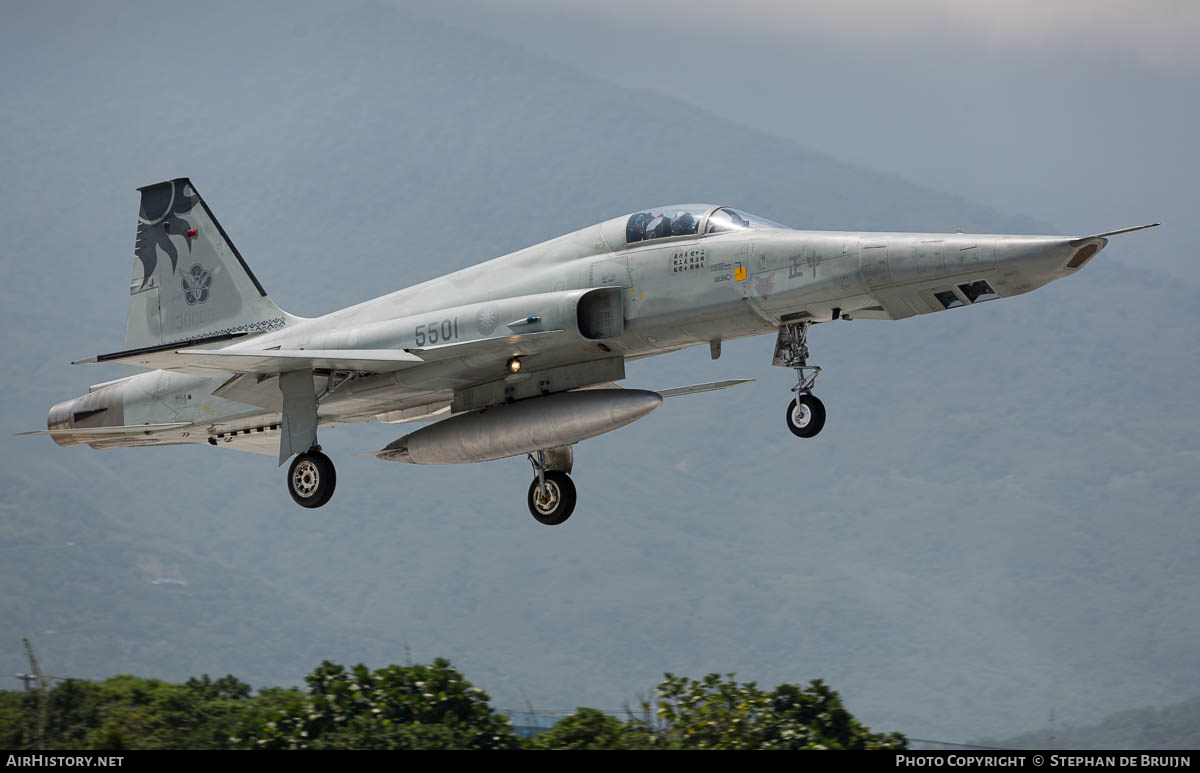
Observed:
{"x":691,"y":389}
{"x":283,"y":360}
{"x":187,"y":358}
{"x":269,"y":361}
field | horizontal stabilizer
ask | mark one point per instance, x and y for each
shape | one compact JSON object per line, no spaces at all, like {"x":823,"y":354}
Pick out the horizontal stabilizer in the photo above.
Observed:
{"x":138,"y":356}
{"x":132,"y":429}
{"x":697,"y":388}
{"x":205,"y":361}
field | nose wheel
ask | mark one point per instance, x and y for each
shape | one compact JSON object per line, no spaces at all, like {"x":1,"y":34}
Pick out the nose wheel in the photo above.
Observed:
{"x":551,"y":494}
{"x":311,"y":479}
{"x":805,"y":414}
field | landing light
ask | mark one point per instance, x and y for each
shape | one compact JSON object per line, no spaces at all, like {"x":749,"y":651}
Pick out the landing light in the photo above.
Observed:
{"x":514,"y":365}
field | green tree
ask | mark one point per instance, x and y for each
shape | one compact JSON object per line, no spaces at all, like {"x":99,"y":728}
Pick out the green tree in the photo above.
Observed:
{"x":721,"y":713}
{"x":419,"y":707}
{"x":397,"y":707}
{"x":593,"y":729}
{"x":128,"y":712}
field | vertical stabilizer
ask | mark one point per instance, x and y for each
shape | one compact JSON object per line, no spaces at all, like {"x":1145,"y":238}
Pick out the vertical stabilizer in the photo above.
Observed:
{"x":189,"y":281}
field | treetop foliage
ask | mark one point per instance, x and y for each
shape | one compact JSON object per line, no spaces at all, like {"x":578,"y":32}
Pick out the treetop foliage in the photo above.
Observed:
{"x":397,"y":707}
{"x":721,"y":713}
{"x":419,"y":707}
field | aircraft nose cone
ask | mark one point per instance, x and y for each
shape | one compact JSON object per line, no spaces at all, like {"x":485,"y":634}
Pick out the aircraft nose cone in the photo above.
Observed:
{"x":1040,"y":260}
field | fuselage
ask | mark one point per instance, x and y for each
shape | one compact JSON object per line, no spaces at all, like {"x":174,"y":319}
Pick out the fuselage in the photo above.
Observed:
{"x":674,"y":291}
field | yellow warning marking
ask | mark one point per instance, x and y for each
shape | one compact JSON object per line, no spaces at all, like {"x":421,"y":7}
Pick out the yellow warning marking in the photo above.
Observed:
{"x":641,"y":296}
{"x":739,"y":274}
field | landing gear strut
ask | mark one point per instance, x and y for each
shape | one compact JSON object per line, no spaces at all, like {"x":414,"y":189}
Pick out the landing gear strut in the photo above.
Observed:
{"x":805,"y":414}
{"x":311,"y":478}
{"x":551,"y":494}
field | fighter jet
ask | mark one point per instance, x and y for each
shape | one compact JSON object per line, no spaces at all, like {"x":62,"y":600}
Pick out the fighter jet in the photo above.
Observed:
{"x":517,"y":356}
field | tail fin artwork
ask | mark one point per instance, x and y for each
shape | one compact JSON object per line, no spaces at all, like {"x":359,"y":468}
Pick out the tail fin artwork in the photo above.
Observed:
{"x":189,"y":281}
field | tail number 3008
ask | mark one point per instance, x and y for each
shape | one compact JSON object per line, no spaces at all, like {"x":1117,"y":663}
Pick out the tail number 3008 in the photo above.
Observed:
{"x":433,"y":332}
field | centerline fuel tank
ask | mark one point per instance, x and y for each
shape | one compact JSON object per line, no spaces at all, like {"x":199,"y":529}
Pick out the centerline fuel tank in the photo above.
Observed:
{"x":522,"y":427}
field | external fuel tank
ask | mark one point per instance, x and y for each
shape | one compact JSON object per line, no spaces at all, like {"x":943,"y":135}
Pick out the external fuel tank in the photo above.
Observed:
{"x":523,"y":427}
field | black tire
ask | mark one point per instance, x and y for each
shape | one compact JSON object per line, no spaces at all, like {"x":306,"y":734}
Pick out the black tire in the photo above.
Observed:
{"x":311,"y":479}
{"x":812,"y":419}
{"x":560,"y":490}
{"x":332,"y":481}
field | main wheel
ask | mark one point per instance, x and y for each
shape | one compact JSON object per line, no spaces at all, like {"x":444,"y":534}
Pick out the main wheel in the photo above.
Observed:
{"x":805,"y":416}
{"x":311,"y":479}
{"x":556,"y":501}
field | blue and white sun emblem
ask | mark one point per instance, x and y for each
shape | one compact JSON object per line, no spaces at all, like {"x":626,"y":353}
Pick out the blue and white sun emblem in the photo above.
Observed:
{"x":487,"y":318}
{"x":196,"y":282}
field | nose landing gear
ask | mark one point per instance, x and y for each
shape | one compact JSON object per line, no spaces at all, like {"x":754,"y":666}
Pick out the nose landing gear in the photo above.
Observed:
{"x":805,"y":414}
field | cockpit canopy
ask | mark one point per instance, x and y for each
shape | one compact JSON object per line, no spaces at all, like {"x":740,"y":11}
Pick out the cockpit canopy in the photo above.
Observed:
{"x":689,"y":220}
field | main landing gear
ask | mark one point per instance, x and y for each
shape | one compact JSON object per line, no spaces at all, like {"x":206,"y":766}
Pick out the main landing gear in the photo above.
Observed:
{"x":805,"y":414}
{"x":552,"y":493}
{"x":311,"y":478}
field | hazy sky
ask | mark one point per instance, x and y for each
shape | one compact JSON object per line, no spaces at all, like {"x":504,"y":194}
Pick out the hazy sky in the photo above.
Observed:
{"x":1159,"y":31}
{"x":1083,"y":114}
{"x":1001,"y":506}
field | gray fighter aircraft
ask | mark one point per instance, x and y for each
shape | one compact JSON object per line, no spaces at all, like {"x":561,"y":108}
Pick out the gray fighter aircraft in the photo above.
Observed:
{"x":515,"y":356}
